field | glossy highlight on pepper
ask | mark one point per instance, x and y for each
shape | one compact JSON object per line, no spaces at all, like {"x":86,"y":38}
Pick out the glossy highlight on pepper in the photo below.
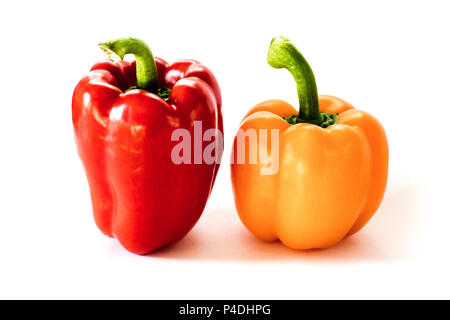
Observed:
{"x":333,"y":164}
{"x":124,"y":114}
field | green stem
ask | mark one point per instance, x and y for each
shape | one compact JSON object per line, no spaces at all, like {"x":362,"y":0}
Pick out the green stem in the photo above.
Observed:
{"x":283,"y":54}
{"x":146,"y":73}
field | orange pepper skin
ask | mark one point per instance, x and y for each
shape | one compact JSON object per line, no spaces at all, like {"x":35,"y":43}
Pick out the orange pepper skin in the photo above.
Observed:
{"x":330,"y":180}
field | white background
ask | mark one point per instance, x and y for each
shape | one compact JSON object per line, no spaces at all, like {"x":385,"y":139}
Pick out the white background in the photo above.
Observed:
{"x":390,"y":58}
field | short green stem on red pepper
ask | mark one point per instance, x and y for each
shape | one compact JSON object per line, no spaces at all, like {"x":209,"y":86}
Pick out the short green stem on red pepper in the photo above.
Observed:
{"x":283,"y":54}
{"x":146,"y":72}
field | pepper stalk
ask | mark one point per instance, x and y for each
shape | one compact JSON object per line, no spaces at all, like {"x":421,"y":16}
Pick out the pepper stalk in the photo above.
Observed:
{"x":146,"y":72}
{"x":284,"y":54}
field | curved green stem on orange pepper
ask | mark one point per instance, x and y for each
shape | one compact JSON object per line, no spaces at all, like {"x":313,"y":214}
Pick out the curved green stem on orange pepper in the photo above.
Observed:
{"x":283,"y":54}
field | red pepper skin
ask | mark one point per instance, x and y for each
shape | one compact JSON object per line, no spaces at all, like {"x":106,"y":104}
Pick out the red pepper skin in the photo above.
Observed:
{"x":124,"y":141}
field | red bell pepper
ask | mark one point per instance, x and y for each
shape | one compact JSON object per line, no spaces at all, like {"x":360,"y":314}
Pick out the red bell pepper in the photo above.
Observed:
{"x":124,"y":114}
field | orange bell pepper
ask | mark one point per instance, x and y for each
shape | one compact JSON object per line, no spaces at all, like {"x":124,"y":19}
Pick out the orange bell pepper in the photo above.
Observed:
{"x":333,"y":164}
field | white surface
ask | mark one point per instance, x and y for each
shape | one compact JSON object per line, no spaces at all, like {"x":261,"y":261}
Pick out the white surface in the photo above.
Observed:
{"x":387,"y":57}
